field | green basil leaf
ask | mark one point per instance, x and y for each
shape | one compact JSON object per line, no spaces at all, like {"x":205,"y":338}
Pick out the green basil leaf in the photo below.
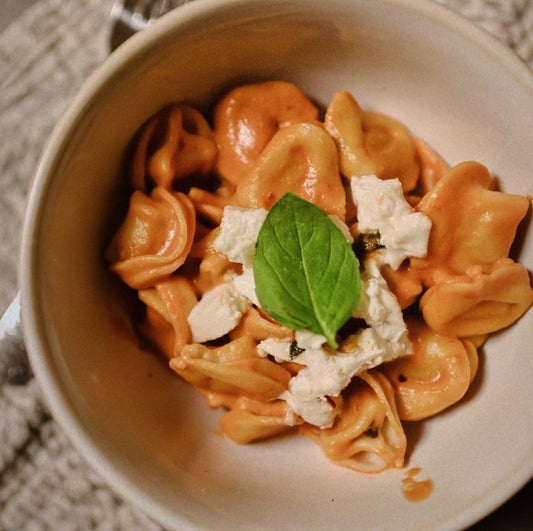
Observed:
{"x":306,"y":273}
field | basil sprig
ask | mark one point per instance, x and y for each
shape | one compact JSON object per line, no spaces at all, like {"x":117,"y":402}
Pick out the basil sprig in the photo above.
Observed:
{"x":306,"y":273}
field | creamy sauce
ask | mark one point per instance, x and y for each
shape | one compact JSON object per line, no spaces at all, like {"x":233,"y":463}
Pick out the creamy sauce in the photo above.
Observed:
{"x":413,"y":490}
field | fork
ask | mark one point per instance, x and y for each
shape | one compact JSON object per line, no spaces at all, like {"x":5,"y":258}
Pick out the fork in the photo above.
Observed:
{"x":130,"y":16}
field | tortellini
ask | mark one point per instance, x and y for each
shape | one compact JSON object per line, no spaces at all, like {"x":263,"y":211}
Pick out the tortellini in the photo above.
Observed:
{"x":175,"y":143}
{"x":472,"y":224}
{"x":249,"y":116}
{"x":344,"y":122}
{"x":436,"y":376}
{"x":300,"y":158}
{"x":478,"y":303}
{"x":371,"y":143}
{"x":168,"y":304}
{"x":249,"y":420}
{"x":267,"y":139}
{"x":232,"y":369}
{"x":368,"y":435}
{"x":154,"y":239}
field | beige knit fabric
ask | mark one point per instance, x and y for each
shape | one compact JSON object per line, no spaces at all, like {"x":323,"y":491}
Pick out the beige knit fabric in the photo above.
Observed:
{"x":44,"y":58}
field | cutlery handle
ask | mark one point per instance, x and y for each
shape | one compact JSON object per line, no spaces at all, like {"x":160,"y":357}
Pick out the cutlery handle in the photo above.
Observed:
{"x":14,"y":364}
{"x":10,"y":321}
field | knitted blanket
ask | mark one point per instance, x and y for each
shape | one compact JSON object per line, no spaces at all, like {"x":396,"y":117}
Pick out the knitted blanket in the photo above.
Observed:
{"x":45,"y":56}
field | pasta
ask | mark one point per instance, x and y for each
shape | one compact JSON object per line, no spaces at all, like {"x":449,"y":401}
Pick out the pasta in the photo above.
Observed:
{"x":368,"y":436}
{"x":168,"y":303}
{"x":478,"y":303}
{"x":371,"y":143}
{"x":454,"y":245}
{"x":436,"y":376}
{"x":234,"y":369}
{"x":154,"y":239}
{"x":175,"y":143}
{"x":301,"y":158}
{"x":249,"y":116}
{"x":249,"y":420}
{"x":432,"y":244}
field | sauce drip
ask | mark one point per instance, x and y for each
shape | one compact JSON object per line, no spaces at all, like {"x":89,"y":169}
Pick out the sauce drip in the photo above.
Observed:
{"x":413,"y":490}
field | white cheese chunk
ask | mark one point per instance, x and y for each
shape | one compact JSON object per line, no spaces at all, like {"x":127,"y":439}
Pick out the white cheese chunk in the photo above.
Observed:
{"x":279,"y":349}
{"x":326,"y":372}
{"x":306,"y":339}
{"x":217,"y":313}
{"x":381,"y":207}
{"x":317,"y":410}
{"x":238,"y":233}
{"x":380,"y":309}
{"x":236,"y":239}
{"x":245,"y":284}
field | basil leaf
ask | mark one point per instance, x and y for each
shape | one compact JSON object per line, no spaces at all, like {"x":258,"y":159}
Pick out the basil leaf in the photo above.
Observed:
{"x":306,"y":273}
{"x":295,"y":350}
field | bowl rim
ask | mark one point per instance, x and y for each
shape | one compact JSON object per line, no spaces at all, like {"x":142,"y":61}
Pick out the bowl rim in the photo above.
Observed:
{"x":35,"y":336}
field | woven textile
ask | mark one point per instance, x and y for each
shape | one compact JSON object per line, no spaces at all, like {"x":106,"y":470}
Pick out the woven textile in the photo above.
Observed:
{"x":44,"y":58}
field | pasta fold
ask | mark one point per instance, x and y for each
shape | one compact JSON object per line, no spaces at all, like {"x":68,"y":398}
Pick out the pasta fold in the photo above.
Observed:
{"x":302,"y":159}
{"x":404,"y":282}
{"x":176,"y":142}
{"x":258,"y":326}
{"x":371,"y":143}
{"x":212,"y":266}
{"x":344,"y":122}
{"x":392,"y":149}
{"x":432,"y":167}
{"x":208,"y":205}
{"x":249,"y":116}
{"x":234,"y":369}
{"x":435,"y":376}
{"x":154,"y":238}
{"x":367,"y":436}
{"x":251,"y":420}
{"x":478,"y":303}
{"x":168,"y":304}
{"x":471,"y":224}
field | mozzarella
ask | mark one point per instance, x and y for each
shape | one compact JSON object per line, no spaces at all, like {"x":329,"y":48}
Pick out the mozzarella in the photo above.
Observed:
{"x":381,"y":207}
{"x":217,"y":313}
{"x":326,"y":372}
{"x":238,"y":233}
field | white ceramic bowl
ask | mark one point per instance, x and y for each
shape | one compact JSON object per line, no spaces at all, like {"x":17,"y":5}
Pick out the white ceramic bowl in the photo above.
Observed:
{"x":150,"y":435}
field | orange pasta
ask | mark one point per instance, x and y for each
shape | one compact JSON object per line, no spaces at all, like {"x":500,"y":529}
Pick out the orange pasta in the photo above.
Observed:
{"x":368,"y":435}
{"x":370,"y":142}
{"x":432,"y":244}
{"x":436,"y":376}
{"x":302,"y":159}
{"x":249,"y":116}
{"x":154,"y":239}
{"x":175,"y":143}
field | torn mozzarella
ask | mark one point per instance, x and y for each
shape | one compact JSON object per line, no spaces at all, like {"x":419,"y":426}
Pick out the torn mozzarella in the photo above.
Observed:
{"x":381,"y":207}
{"x":326,"y":372}
{"x":238,"y":233}
{"x":217,"y":312}
{"x":381,"y":311}
{"x":245,"y":284}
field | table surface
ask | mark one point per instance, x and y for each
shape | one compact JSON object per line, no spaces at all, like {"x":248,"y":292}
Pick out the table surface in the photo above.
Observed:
{"x":516,"y":514}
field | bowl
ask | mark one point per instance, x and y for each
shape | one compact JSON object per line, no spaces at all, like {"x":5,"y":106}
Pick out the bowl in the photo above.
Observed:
{"x":145,"y":431}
